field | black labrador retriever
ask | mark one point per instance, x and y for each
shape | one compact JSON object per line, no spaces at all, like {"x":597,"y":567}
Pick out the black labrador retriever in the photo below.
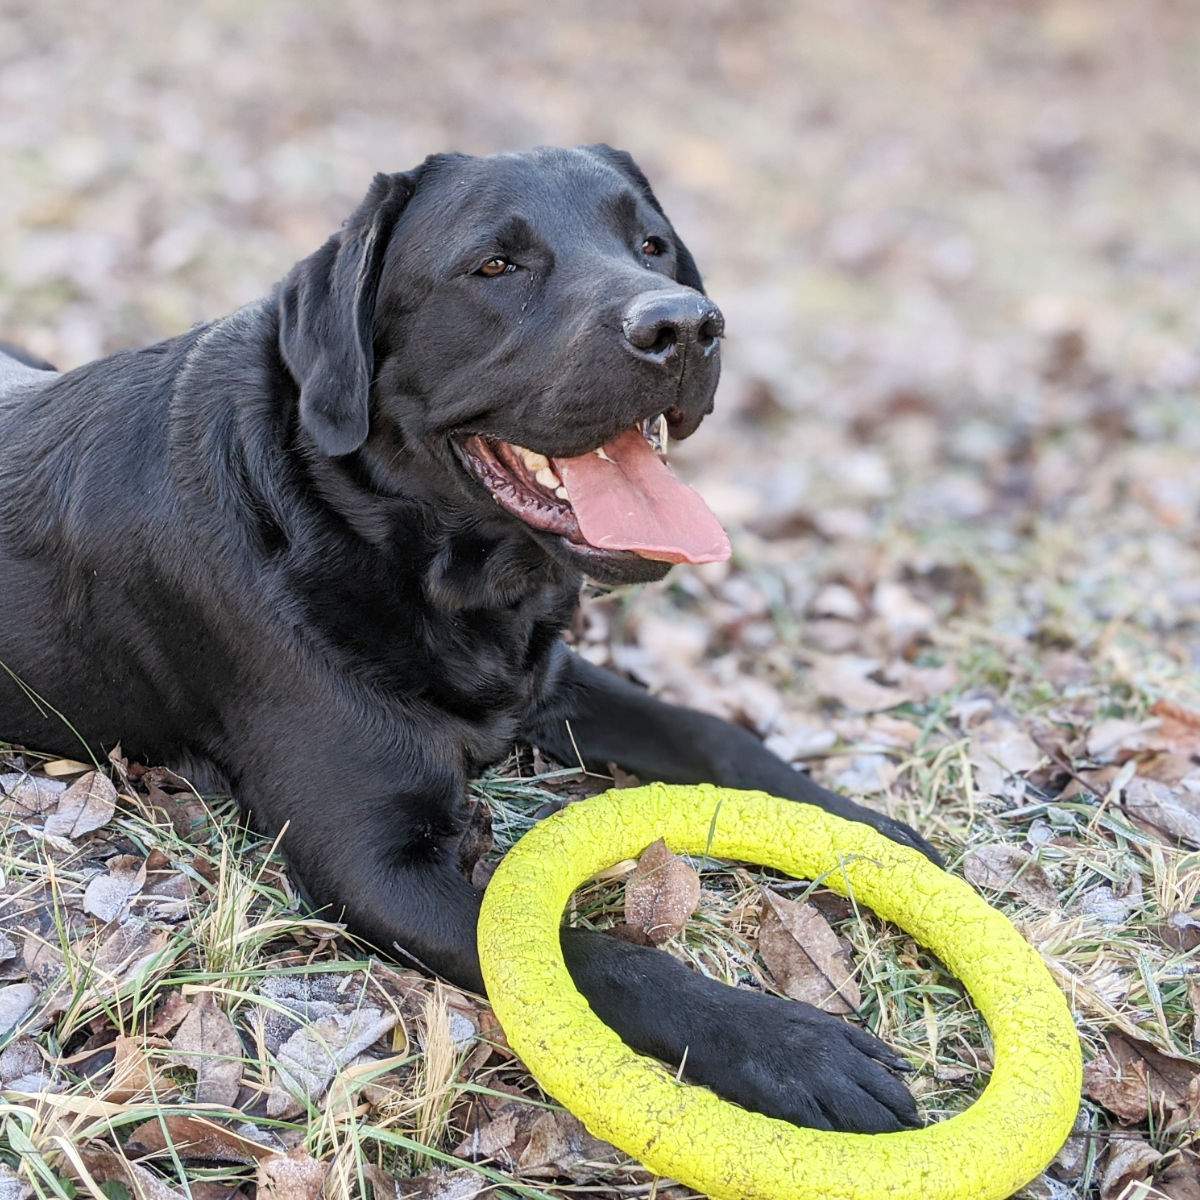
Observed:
{"x":321,"y":552}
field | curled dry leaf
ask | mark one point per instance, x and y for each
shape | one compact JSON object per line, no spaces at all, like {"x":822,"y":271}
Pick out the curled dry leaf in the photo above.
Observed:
{"x":661,"y":893}
{"x":1001,"y":868}
{"x":208,"y":1044}
{"x":108,"y":894}
{"x":805,"y":956}
{"x":87,"y":805}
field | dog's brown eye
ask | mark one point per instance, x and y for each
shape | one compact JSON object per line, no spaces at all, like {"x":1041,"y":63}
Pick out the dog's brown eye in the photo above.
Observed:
{"x":651,"y":247}
{"x":496,"y":266}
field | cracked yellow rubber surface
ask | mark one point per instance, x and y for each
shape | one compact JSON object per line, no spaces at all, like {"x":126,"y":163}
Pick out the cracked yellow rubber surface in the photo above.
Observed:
{"x":986,"y":1153}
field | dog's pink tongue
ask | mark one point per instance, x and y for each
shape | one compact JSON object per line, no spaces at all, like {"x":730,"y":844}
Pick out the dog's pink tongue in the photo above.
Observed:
{"x":631,"y":501}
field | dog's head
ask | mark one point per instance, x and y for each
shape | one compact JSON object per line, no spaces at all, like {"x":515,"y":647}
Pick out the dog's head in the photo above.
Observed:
{"x":523,"y":333}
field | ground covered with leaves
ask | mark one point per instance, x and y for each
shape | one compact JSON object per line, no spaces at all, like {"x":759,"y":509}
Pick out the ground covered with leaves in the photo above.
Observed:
{"x":956,"y":446}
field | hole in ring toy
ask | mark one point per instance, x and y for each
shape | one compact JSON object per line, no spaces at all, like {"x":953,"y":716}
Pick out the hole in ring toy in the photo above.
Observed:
{"x":687,"y":1132}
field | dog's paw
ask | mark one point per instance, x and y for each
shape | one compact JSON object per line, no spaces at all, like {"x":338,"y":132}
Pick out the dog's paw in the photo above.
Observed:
{"x":790,"y":1060}
{"x":904,"y":834}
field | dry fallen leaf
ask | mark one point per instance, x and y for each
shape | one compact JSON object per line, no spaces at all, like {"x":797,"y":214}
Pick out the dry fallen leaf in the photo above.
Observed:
{"x":443,"y":1185}
{"x":137,"y":1070}
{"x":855,"y":683}
{"x":661,"y":893}
{"x":804,"y":955}
{"x":1128,"y":1162}
{"x":87,"y":805}
{"x":12,"y":1186}
{"x":1001,"y":868}
{"x":1137,"y":1082}
{"x":540,"y":1142}
{"x":15,"y":1001}
{"x":208,"y":1044}
{"x":292,"y":1176}
{"x":1175,"y":813}
{"x":310,"y":1058}
{"x":193,"y":1138}
{"x":24,"y":795}
{"x":1000,"y":750}
{"x":107,"y":1165}
{"x":108,"y":894}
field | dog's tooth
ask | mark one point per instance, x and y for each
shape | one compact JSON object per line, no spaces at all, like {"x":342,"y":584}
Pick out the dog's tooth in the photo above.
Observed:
{"x":533,"y":460}
{"x":660,"y":434}
{"x":561,"y":493}
{"x":599,"y":452}
{"x":548,"y":479}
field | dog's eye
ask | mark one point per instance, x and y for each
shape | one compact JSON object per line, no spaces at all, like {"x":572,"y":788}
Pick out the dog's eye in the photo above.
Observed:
{"x":652,"y":247}
{"x":496,"y":266}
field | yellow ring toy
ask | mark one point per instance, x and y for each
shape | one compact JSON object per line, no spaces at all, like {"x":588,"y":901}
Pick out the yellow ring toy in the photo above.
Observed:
{"x":688,"y":1133}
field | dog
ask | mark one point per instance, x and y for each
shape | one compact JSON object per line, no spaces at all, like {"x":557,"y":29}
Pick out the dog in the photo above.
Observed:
{"x":320,"y":553}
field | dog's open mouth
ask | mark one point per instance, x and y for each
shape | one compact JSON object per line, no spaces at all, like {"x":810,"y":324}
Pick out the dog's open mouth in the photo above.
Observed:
{"x":620,"y":497}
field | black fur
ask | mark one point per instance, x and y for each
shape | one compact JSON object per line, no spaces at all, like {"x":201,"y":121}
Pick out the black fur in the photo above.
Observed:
{"x":253,"y":552}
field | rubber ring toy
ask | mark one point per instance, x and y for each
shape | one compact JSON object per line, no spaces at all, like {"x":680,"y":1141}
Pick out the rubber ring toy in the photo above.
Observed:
{"x":688,"y":1133}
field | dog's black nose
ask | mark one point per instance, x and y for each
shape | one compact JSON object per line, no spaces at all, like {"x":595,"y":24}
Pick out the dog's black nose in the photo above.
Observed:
{"x":658,"y":326}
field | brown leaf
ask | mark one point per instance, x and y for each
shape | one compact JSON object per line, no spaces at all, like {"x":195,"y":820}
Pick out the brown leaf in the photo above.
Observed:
{"x":208,"y":1043}
{"x":1181,"y":931}
{"x":135,"y":1073}
{"x":661,"y":893}
{"x":1137,"y":1082}
{"x":1181,"y":1180}
{"x":292,"y":1176}
{"x":1128,"y":1162}
{"x":194,"y":1138}
{"x":804,"y":955}
{"x":541,"y":1142}
{"x":1180,"y":730}
{"x":108,"y":894}
{"x":170,"y":1013}
{"x":86,"y":805}
{"x":24,"y":795}
{"x":107,"y":1165}
{"x":1001,"y":868}
{"x":1174,"y":813}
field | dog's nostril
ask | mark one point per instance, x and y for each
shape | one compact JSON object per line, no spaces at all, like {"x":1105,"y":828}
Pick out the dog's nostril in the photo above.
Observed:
{"x":665,"y":341}
{"x":711,"y":328}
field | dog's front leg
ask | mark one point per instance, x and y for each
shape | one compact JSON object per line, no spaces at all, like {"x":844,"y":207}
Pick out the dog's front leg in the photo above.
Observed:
{"x":391,"y":873}
{"x":600,"y":718}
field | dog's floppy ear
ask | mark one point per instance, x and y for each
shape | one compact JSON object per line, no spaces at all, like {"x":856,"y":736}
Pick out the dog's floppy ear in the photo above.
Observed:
{"x":686,"y":271}
{"x":327,"y":318}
